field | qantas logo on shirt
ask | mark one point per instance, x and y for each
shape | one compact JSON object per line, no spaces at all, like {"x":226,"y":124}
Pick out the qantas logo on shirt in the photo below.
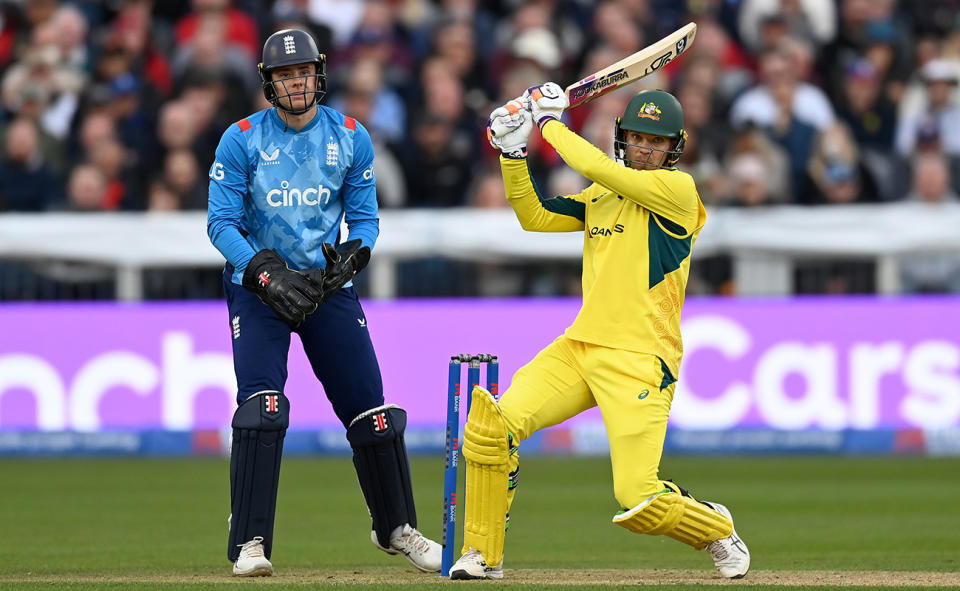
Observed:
{"x":287,"y":197}
{"x":598,"y":231}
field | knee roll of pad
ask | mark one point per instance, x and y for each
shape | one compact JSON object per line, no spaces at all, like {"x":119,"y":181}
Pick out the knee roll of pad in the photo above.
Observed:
{"x":259,"y":425}
{"x":678,"y":516}
{"x":380,"y":458}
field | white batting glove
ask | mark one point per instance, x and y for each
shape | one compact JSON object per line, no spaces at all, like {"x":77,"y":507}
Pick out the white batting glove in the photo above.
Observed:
{"x":509,"y":127}
{"x":546,"y":101}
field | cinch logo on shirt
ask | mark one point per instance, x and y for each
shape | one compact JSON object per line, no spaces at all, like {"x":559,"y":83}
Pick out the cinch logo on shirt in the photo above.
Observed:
{"x":285,"y":196}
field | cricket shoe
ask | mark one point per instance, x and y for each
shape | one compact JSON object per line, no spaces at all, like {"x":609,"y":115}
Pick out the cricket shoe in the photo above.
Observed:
{"x":730,"y":554}
{"x":472,"y":566}
{"x":421,"y":551}
{"x":252,"y":562}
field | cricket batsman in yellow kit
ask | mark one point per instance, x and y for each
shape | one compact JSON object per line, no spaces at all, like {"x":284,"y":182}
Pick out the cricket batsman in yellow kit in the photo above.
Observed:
{"x":640,"y":218}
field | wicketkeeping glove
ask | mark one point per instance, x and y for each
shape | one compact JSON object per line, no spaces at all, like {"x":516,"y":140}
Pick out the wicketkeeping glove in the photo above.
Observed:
{"x":343,"y":263}
{"x":509,"y":127}
{"x":546,"y":101}
{"x":290,"y":294}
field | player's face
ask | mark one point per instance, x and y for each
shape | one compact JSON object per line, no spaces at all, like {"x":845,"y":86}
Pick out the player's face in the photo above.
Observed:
{"x":295,"y":85}
{"x":645,"y":151}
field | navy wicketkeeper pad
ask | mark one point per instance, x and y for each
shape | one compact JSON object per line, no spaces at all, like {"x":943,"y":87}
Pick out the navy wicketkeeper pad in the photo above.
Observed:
{"x":259,"y":425}
{"x":380,"y":457}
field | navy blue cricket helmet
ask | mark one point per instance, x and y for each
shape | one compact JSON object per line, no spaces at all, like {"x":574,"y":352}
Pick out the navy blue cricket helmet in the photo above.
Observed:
{"x":285,"y":48}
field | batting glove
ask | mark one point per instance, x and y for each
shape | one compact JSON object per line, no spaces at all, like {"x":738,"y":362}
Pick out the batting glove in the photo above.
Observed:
{"x":288,"y":293}
{"x":509,"y":127}
{"x":546,"y":101}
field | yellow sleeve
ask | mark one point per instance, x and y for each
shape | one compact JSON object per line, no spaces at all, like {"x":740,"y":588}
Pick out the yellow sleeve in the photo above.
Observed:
{"x":537,"y":214}
{"x":669,"y":193}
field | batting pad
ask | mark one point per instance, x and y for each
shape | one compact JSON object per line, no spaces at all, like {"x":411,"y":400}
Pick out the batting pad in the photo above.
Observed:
{"x":680,"y":517}
{"x":486,"y":450}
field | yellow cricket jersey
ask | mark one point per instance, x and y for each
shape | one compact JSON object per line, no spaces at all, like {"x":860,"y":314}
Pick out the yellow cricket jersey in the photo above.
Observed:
{"x":639,"y":227}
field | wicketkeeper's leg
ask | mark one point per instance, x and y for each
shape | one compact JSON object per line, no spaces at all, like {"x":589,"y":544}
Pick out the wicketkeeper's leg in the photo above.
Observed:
{"x":259,"y":425}
{"x":380,"y":458}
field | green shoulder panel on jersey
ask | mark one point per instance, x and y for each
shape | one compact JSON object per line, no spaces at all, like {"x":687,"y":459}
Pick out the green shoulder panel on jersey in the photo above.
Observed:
{"x":560,"y":205}
{"x":667,"y":252}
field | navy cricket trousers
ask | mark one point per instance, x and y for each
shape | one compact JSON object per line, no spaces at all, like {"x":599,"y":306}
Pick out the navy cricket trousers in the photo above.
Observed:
{"x":335,"y":339}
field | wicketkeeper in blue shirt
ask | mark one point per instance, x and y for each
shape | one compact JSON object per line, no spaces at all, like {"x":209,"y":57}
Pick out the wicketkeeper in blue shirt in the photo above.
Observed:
{"x":283,"y":181}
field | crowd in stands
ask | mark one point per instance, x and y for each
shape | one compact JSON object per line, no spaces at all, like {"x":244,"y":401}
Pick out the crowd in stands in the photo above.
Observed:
{"x":119,"y":104}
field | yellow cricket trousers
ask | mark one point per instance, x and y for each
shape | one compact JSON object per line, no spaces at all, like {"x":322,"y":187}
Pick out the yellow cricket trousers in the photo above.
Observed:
{"x":633,"y":390}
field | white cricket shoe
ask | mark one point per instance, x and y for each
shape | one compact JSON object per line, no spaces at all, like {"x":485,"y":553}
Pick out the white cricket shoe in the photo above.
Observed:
{"x":252,"y":562}
{"x":421,"y":551}
{"x":472,"y":566}
{"x":730,"y":554}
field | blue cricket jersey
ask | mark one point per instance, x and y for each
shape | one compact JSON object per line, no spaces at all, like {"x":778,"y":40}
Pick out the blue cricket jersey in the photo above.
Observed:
{"x":272,"y":186}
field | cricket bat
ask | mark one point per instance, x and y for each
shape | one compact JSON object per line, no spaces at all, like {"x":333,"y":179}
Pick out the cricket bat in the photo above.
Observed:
{"x":633,"y":67}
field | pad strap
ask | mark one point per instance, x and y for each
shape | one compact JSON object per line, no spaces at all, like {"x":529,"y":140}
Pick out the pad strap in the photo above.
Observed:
{"x":486,"y":450}
{"x":259,"y":425}
{"x":380,"y":458}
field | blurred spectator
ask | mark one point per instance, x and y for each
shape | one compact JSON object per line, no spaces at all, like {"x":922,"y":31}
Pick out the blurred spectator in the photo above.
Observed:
{"x":868,"y":112}
{"x":374,"y":104}
{"x":213,"y":105}
{"x":931,"y":272}
{"x":749,"y":182}
{"x":762,"y":104}
{"x":86,"y":189}
{"x":131,"y":40}
{"x":177,"y":126}
{"x":340,"y":17}
{"x":112,"y":160}
{"x":762,"y":22}
{"x":209,"y":51}
{"x":795,"y":135}
{"x":940,"y":79}
{"x":931,"y":180}
{"x":236,"y":29}
{"x":437,"y":164}
{"x":486,"y":190}
{"x":68,"y":30}
{"x":26,"y":183}
{"x":162,"y":197}
{"x":375,"y":39}
{"x":181,"y":173}
{"x":562,"y":181}
{"x":753,"y":141}
{"x":96,"y":127}
{"x":837,"y":175}
{"x":42,"y":76}
{"x":707,"y":139}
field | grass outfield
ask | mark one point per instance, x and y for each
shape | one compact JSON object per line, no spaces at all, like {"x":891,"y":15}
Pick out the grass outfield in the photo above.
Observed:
{"x":816,"y":522}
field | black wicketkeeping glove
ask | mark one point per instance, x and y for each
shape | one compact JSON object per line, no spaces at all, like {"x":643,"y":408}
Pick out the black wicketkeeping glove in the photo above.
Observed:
{"x":343,"y":263}
{"x":289,"y":293}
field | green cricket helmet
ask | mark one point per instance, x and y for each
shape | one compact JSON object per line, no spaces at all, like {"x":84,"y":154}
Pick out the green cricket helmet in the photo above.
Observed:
{"x":654,"y":112}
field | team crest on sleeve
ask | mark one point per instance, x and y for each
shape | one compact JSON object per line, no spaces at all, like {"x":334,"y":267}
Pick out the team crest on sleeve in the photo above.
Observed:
{"x":379,"y":422}
{"x":271,"y":403}
{"x":649,"y":111}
